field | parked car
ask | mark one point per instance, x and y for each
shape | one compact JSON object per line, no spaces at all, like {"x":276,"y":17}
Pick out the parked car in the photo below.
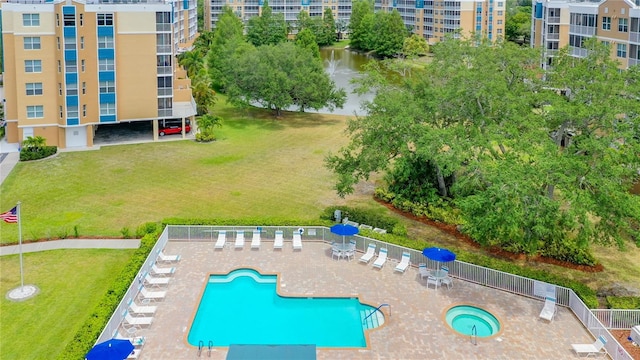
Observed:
{"x":173,"y":129}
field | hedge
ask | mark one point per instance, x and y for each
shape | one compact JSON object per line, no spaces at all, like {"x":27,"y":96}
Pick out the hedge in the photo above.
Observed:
{"x":36,"y":153}
{"x":623,"y":302}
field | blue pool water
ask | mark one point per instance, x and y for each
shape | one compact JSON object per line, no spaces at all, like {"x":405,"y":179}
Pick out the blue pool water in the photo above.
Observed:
{"x":242,"y":307}
{"x":462,"y":319}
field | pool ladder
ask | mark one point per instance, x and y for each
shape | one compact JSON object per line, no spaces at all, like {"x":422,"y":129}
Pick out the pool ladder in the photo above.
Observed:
{"x":201,"y":346}
{"x":474,"y":335}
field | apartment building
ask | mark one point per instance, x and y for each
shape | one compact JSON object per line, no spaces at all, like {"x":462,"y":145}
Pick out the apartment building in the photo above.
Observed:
{"x":435,"y":19}
{"x":73,"y":65}
{"x":560,"y":23}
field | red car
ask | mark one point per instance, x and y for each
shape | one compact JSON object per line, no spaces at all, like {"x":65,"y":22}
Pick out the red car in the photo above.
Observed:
{"x":173,"y":129}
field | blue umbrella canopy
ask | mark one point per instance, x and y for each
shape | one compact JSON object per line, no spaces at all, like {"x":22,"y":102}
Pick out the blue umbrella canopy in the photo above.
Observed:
{"x":113,"y":349}
{"x":439,"y":254}
{"x":344,"y":229}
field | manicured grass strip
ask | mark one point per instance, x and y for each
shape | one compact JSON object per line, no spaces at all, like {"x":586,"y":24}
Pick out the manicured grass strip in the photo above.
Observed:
{"x":71,"y":283}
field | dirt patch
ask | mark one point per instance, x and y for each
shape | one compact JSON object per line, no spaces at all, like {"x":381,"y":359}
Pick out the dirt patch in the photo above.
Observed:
{"x":496,"y":252}
{"x":621,"y":336}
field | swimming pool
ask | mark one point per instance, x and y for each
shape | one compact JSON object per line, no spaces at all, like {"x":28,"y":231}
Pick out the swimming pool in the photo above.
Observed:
{"x":242,"y":307}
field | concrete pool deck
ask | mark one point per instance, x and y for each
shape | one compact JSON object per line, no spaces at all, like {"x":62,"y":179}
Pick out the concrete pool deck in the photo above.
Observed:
{"x":415,"y":329}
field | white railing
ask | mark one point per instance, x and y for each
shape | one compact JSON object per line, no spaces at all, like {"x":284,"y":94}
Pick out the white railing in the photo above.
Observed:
{"x":618,"y":319}
{"x":469,"y":272}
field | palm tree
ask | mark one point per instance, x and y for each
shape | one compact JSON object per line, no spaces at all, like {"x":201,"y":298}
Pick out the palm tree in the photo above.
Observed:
{"x":203,"y":93}
{"x":191,"y":61}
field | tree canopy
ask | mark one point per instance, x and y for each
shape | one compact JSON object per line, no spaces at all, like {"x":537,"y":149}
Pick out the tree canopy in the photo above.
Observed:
{"x":528,"y":167}
{"x":268,"y":28}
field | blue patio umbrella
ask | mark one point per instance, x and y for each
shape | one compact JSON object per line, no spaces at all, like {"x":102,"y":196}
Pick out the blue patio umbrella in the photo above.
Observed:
{"x":344,"y":230}
{"x":113,"y":349}
{"x":439,"y":254}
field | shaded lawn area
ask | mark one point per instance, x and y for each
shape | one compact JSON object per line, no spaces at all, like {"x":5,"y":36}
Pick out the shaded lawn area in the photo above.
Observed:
{"x":260,"y":167}
{"x":71,"y":283}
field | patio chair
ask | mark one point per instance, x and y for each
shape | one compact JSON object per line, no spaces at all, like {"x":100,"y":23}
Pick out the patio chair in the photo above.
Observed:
{"x":278,"y":242}
{"x":297,"y":241}
{"x":134,"y":308}
{"x":137,"y":341}
{"x":371,"y":251}
{"x":152,"y":295}
{"x":134,"y":354}
{"x":404,"y":262}
{"x":549,"y":310}
{"x":239,"y":240}
{"x":222,"y":239}
{"x":423,"y":271}
{"x":350,"y":253}
{"x":381,"y":259}
{"x":162,"y":271}
{"x":447,"y":280}
{"x":156,"y":280}
{"x":167,"y":258}
{"x":255,"y":239}
{"x":336,"y":253}
{"x":431,"y":280}
{"x":137,"y":321}
{"x":597,"y":348}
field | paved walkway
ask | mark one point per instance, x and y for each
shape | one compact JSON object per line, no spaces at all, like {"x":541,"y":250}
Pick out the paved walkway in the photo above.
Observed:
{"x":71,"y":244}
{"x":9,"y":157}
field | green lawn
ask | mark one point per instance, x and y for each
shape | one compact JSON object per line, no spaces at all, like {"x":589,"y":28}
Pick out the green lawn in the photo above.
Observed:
{"x":71,"y":283}
{"x":259,"y":167}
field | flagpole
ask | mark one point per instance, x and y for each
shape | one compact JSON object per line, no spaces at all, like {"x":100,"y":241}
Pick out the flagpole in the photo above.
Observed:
{"x":20,"y":247}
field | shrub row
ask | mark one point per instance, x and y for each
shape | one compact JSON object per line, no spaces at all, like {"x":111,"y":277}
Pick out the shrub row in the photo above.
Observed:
{"x":623,"y":302}
{"x":36,"y":153}
{"x":89,"y":332}
{"x":365,"y":216}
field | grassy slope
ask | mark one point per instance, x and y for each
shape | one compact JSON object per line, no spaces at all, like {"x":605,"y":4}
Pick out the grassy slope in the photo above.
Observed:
{"x":71,"y":283}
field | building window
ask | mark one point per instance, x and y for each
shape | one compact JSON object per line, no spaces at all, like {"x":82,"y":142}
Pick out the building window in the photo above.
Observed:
{"x":61,"y":113}
{"x":81,"y":19}
{"x":60,"y":89}
{"x":58,"y":23}
{"x":84,"y":110}
{"x":30,"y":19}
{"x":500,"y":12}
{"x":69,"y":43}
{"x":84,"y":88}
{"x":105,"y":19}
{"x":107,"y":109}
{"x":35,"y":111}
{"x":499,"y":22}
{"x":58,"y":42}
{"x":72,"y":89}
{"x":34,"y":89}
{"x":71,"y":66}
{"x":107,"y":87}
{"x":33,"y":66}
{"x":622,"y":51}
{"x":606,"y":23}
{"x":72,"y":111}
{"x":81,"y":42}
{"x":32,"y":43}
{"x":105,"y":65}
{"x":500,"y":4}
{"x":82,"y":64}
{"x":69,"y":19}
{"x":105,"y":42}
{"x":623,"y":25}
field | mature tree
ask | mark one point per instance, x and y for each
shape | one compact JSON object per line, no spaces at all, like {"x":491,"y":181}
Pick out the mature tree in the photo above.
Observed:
{"x":203,"y":93}
{"x":389,"y":33}
{"x":328,"y":28}
{"x":304,"y":21}
{"x":227,"y":43}
{"x":415,"y":46}
{"x":306,"y":40}
{"x":281,"y":76}
{"x":479,"y":113}
{"x":361,"y":24}
{"x":518,"y":26}
{"x":268,"y":28}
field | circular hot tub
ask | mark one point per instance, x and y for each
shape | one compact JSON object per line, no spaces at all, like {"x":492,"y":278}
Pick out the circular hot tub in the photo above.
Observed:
{"x":471,"y":320}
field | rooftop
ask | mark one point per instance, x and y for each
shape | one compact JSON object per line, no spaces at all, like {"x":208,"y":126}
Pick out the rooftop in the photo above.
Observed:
{"x":414,"y":330}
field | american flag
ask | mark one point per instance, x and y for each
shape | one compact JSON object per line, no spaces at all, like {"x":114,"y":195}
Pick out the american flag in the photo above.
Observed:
{"x":10,"y":216}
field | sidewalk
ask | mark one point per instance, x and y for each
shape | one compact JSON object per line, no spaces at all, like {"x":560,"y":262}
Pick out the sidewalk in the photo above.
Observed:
{"x":9,"y":157}
{"x":71,"y":244}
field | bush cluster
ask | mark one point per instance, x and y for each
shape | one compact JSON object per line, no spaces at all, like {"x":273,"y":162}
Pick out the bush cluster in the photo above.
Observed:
{"x":623,"y":302}
{"x":86,"y":336}
{"x":365,"y":216}
{"x":36,"y":153}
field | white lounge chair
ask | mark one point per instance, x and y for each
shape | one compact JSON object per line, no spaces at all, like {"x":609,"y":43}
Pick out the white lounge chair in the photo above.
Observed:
{"x":404,"y":262}
{"x":222,"y":239}
{"x":137,"y":321}
{"x":597,"y":348}
{"x":239,"y":240}
{"x":297,"y":241}
{"x":152,"y":295}
{"x":549,"y":310}
{"x":156,"y":280}
{"x":150,"y":309}
{"x":137,"y":341}
{"x":162,"y":271}
{"x":255,"y":240}
{"x":278,"y":243}
{"x":134,"y":354}
{"x":168,"y":258}
{"x":423,"y":271}
{"x":371,"y":251}
{"x":381,"y":259}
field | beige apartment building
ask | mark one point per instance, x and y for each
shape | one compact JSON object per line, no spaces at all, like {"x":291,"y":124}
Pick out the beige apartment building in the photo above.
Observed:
{"x":560,"y":23}
{"x":73,"y":65}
